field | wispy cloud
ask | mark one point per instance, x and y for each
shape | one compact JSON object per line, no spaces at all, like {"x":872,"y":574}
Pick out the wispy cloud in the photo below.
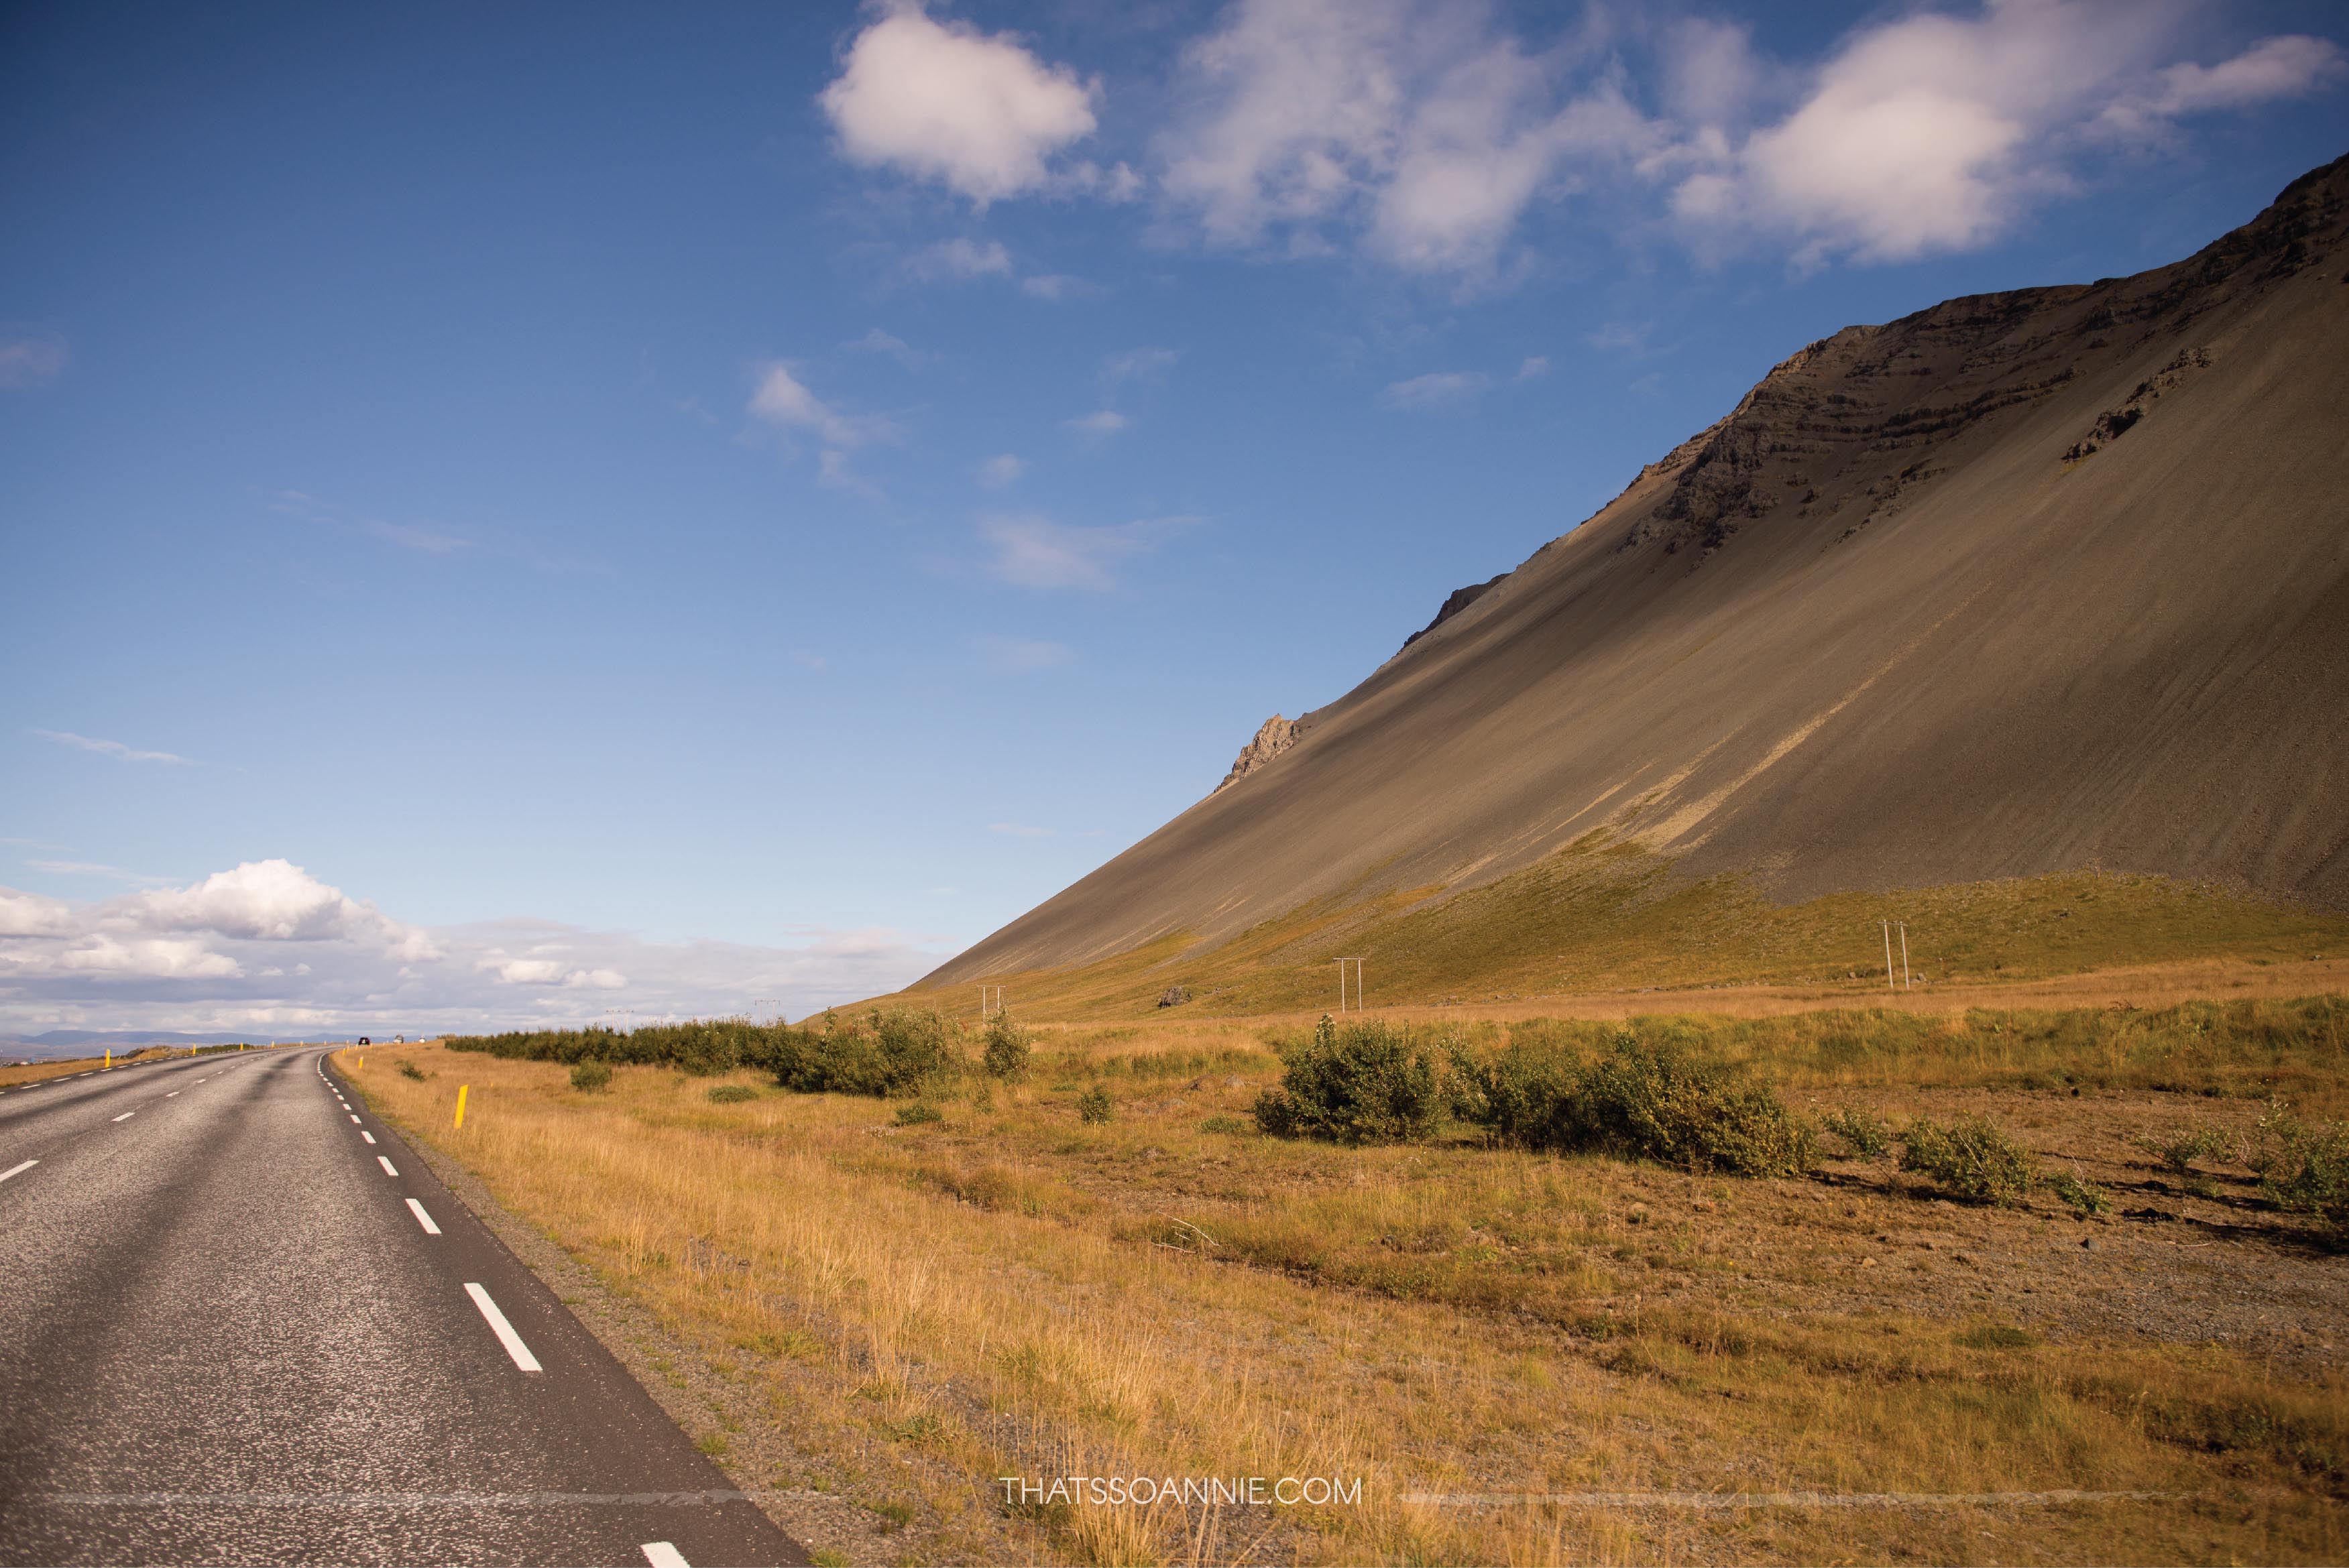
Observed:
{"x":92,"y":869}
{"x":1535,"y":368}
{"x":1139,"y":365}
{"x":1033,"y":551}
{"x":1023,"y":656}
{"x":408,"y":536}
{"x":1106,"y":422}
{"x":113,"y":748}
{"x":959,"y":258}
{"x":1438,"y":389}
{"x":31,"y":359}
{"x":890,"y":346}
{"x":1054,"y":286}
{"x":1003,"y":469}
{"x":1016,"y":830}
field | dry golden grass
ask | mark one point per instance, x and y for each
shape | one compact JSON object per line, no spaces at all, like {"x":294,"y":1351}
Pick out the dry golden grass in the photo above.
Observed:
{"x":1008,"y":1291}
{"x":36,"y":1072}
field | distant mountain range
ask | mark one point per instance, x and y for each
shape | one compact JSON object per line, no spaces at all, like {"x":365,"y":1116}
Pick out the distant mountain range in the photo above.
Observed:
{"x":2019,"y":585}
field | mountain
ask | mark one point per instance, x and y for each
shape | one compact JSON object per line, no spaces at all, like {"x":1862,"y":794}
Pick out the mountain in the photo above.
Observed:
{"x":2021,"y":584}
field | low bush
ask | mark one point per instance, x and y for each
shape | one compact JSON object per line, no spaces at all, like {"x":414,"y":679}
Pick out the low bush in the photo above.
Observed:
{"x":732,"y":1094}
{"x":1868,"y":1138}
{"x":1225,"y":1124}
{"x":2086,"y":1198}
{"x":1969,"y":1158}
{"x":2185,"y":1145}
{"x":410,"y":1070}
{"x":1094,"y":1105}
{"x":2303,"y":1168}
{"x":884,"y":1053}
{"x":1364,"y":1083}
{"x":1007,"y":1050}
{"x":1636,"y":1100}
{"x":918,"y":1112}
{"x":591,"y":1075}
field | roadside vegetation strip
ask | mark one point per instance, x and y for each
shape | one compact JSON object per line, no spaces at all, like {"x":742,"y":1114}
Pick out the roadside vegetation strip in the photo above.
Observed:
{"x":1006,"y":1288}
{"x":1718,"y":1502}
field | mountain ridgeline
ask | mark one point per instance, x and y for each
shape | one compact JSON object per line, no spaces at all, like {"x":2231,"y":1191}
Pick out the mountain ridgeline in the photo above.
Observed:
{"x":2021,"y":584}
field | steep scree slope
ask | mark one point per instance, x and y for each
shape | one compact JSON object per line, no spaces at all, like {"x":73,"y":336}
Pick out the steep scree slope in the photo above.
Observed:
{"x":2022,"y":582}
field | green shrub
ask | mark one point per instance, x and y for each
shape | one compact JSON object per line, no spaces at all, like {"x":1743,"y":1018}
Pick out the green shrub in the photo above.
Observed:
{"x":2087,"y":1200}
{"x":1969,"y":1158}
{"x":1226,"y":1124}
{"x":1635,"y":1099}
{"x":410,"y":1070}
{"x":1998,"y":1336}
{"x":1364,"y":1083}
{"x":1006,"y":1050}
{"x":2304,"y":1169}
{"x":732,"y":1094}
{"x":883,"y":1054}
{"x":918,"y":1112}
{"x":591,"y":1075}
{"x":2185,"y":1145}
{"x":1094,"y":1105}
{"x":1868,"y":1138}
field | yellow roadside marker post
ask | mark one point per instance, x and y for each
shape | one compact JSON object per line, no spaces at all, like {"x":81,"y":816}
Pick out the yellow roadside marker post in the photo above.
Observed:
{"x":461,"y":1090}
{"x":109,"y":1056}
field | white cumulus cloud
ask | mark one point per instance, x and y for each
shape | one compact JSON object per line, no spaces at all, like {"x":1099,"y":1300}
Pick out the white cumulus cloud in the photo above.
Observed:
{"x":942,"y":101}
{"x":1417,"y":125}
{"x":30,"y":915}
{"x":1938,"y":132}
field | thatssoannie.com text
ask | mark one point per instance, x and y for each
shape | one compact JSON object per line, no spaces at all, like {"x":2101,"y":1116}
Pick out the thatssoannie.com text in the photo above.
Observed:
{"x":1189,"y":1491}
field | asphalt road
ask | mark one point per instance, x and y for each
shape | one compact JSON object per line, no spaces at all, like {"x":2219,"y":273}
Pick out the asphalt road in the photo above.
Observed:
{"x":241,"y":1323}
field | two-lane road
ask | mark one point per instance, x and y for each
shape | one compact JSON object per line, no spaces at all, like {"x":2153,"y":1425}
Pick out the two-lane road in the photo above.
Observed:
{"x":240,"y":1323}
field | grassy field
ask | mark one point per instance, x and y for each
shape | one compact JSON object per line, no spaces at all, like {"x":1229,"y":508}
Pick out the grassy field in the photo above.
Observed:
{"x":36,"y":1072}
{"x":1598,"y":918}
{"x":1523,"y":1358}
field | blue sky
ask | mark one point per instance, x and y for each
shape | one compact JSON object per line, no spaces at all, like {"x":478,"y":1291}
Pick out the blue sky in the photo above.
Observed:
{"x":520,"y":512}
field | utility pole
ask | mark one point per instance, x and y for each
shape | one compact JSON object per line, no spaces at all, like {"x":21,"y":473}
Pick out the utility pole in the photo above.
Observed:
{"x":1887,"y":956}
{"x":1905,"y":982}
{"x":1341,"y":982}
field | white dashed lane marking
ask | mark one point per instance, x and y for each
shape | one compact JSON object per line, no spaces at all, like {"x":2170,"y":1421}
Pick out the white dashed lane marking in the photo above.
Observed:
{"x":503,"y":1330}
{"x":17,"y":1170}
{"x":126,"y":1116}
{"x":355,"y":1119}
{"x":422,"y":1218}
{"x":661,"y":1555}
{"x":173,"y":1095}
{"x":366,"y":1134}
{"x":386,"y":1165}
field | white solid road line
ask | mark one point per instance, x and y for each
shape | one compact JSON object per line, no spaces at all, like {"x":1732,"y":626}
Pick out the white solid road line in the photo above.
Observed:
{"x":503,"y":1330}
{"x":366,"y":1134}
{"x":17,"y":1170}
{"x":661,"y":1555}
{"x":387,"y":1166}
{"x":126,"y":1116}
{"x":422,"y":1218}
